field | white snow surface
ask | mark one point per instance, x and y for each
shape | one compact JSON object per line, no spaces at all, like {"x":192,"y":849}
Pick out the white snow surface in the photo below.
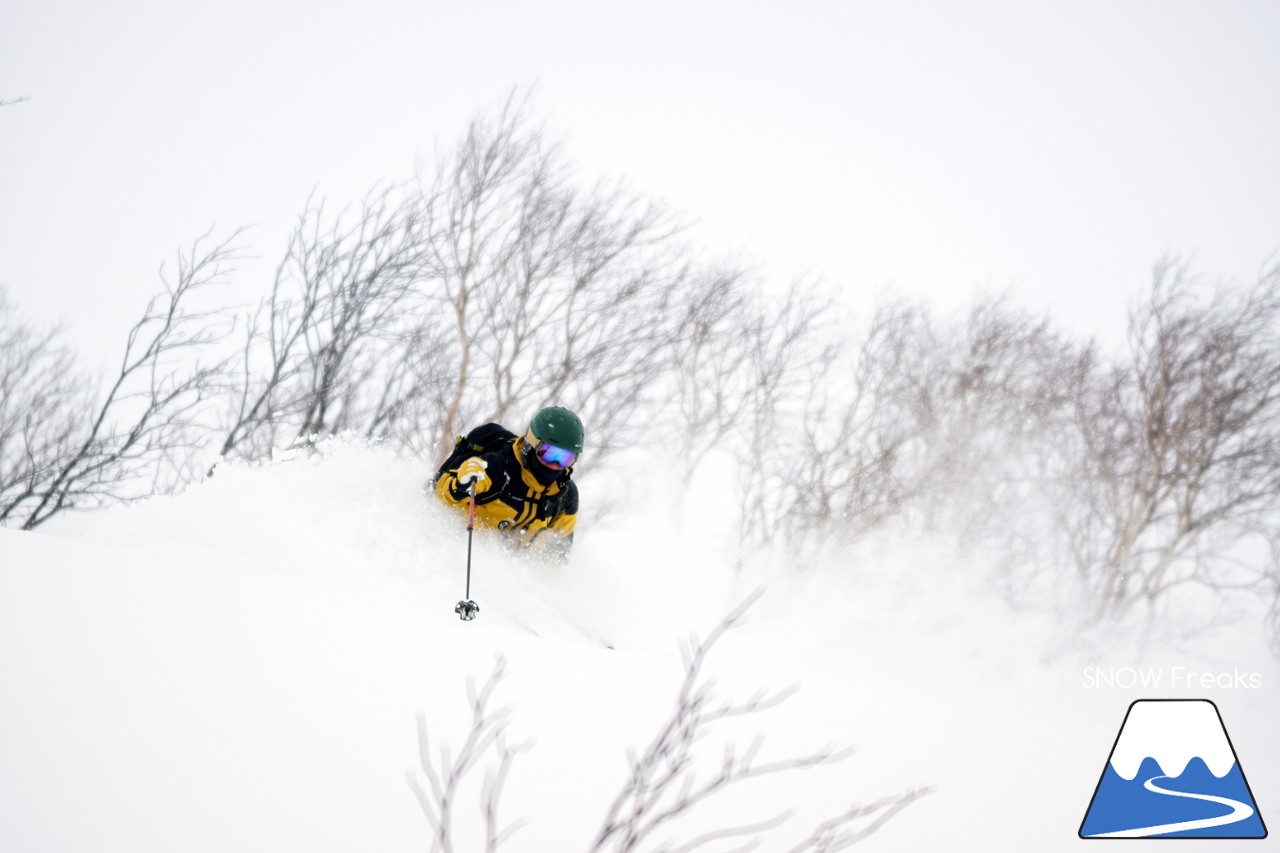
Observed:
{"x":239,"y":668}
{"x":1172,"y":733}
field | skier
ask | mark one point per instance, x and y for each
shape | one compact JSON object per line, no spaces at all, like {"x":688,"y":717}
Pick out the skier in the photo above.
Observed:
{"x":523,"y":483}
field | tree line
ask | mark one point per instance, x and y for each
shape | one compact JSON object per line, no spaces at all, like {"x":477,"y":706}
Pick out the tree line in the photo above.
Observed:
{"x":500,"y":281}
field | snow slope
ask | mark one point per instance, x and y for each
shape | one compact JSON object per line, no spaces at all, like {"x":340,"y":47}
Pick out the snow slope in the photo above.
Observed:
{"x":239,"y":669}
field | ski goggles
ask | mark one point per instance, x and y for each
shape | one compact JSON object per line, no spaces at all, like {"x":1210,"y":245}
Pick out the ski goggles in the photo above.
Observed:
{"x":553,"y":457}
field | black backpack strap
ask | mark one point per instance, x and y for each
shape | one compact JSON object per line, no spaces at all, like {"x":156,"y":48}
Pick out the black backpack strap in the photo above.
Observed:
{"x":487,"y":437}
{"x":483,"y":439}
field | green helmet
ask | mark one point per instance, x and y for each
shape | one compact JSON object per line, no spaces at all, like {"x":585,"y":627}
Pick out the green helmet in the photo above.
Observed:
{"x":558,"y":426}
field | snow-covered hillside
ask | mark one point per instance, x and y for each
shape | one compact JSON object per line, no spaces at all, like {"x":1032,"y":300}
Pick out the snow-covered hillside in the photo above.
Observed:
{"x":240,"y":668}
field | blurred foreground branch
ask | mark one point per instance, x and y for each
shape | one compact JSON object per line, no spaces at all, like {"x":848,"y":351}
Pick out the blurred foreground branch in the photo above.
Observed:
{"x":668,"y":781}
{"x":665,"y":782}
{"x":446,"y":774}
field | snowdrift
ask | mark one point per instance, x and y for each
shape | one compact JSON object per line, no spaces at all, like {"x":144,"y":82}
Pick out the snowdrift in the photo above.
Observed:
{"x":240,"y":668}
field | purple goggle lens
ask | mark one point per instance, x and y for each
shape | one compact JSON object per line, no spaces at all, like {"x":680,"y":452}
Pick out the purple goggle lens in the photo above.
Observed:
{"x":555,"y":457}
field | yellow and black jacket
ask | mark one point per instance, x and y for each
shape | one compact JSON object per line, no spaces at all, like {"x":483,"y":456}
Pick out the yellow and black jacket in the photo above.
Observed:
{"x":536,"y":517}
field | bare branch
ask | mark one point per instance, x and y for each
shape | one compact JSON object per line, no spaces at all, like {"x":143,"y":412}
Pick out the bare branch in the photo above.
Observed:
{"x":446,"y":775}
{"x":665,"y":781}
{"x":152,"y":407}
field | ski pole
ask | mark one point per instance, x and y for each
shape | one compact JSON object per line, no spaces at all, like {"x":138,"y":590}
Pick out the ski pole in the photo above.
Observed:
{"x":467,"y":609}
{"x":471,"y":529}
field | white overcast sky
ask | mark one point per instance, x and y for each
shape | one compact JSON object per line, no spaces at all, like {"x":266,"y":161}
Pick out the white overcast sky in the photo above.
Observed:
{"x":1055,"y":148}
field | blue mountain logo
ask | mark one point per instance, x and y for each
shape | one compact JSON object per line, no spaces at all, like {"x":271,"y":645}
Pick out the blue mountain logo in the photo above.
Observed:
{"x":1173,"y":773}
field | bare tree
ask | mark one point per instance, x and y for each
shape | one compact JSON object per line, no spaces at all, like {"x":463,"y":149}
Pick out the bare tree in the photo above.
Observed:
{"x":316,"y":347}
{"x":708,"y":344}
{"x":1271,"y":594}
{"x":365,"y":273}
{"x":787,"y":342}
{"x":491,"y":288}
{"x":499,"y":286}
{"x":555,"y":293}
{"x":858,"y":414}
{"x":1152,"y":472}
{"x":410,"y":381}
{"x":733,"y":351}
{"x":995,"y":391}
{"x":1181,"y":443}
{"x":43,"y":399}
{"x":900,"y":420}
{"x":150,"y":414}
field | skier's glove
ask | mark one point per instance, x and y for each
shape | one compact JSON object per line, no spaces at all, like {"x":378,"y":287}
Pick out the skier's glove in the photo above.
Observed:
{"x":472,"y":470}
